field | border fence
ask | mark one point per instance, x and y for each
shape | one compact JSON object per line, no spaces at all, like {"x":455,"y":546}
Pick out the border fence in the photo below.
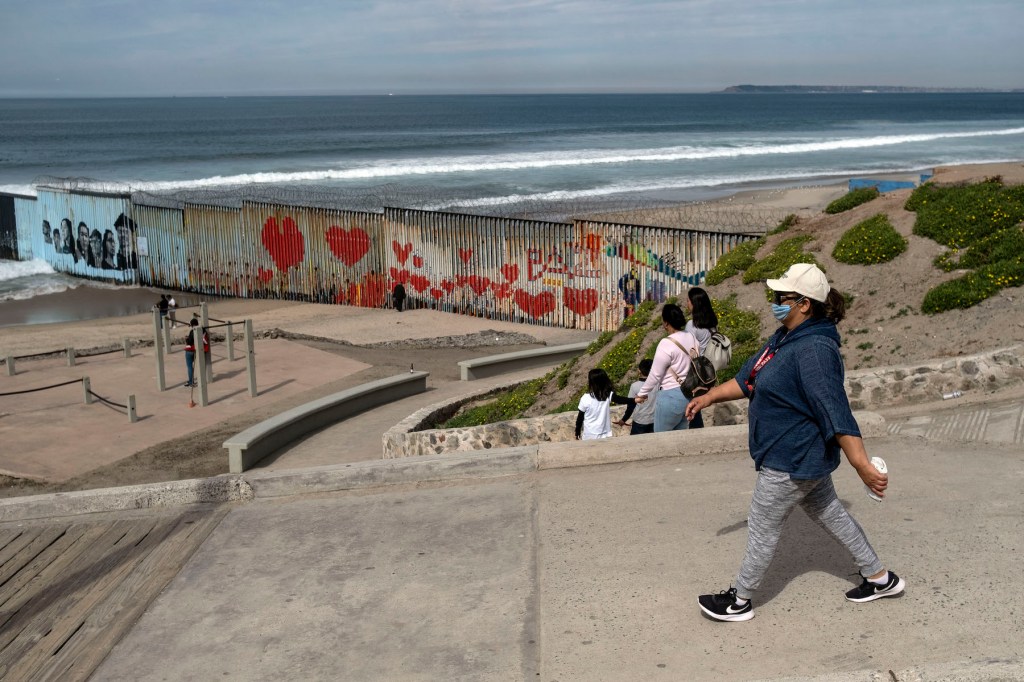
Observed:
{"x":582,"y":274}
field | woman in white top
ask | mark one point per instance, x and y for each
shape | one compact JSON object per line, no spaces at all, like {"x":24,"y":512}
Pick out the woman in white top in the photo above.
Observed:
{"x":703,"y":321}
{"x":671,"y":365}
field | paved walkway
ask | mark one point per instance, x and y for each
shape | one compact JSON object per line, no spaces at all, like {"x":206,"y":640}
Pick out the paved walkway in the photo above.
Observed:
{"x":592,"y":574}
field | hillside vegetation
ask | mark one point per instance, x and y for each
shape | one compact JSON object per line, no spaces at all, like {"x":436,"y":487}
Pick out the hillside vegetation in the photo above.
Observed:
{"x":918,"y":270}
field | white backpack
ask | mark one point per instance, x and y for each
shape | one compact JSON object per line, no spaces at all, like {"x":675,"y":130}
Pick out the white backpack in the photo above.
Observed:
{"x":719,"y":350}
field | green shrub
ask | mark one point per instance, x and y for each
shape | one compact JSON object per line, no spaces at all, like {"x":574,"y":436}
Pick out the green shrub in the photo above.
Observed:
{"x":786,"y":253}
{"x":871,"y":241}
{"x":852,"y":199}
{"x":600,"y":342}
{"x":641,"y":316}
{"x":511,"y":405}
{"x":744,"y":330}
{"x":735,"y":261}
{"x":786,"y":223}
{"x":959,"y":216}
{"x":998,"y":246}
{"x":622,"y":357}
{"x":974,"y":287}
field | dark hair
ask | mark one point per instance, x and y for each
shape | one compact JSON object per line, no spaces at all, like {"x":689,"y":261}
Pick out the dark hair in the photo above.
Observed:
{"x":834,"y":307}
{"x":193,"y":322}
{"x":599,"y":385}
{"x":674,"y":315}
{"x":703,"y":314}
{"x":645,"y":366}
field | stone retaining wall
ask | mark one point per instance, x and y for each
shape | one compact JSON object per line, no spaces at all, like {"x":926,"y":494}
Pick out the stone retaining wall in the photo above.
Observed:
{"x":867,"y":388}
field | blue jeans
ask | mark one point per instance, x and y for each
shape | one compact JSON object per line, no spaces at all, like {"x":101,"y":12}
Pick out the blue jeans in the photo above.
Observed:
{"x":190,"y":362}
{"x":670,"y":411}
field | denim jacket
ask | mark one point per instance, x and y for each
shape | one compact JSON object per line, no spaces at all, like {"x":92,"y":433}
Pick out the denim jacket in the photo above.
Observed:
{"x":798,"y":405}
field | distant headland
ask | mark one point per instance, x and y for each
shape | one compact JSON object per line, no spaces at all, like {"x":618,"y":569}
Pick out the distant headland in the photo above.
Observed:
{"x":850,"y":89}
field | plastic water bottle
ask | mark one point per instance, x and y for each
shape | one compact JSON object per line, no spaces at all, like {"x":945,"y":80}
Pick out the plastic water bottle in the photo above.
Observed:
{"x":879,"y":464}
{"x":951,"y":395}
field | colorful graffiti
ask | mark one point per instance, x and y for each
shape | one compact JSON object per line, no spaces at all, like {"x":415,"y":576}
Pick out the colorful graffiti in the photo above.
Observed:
{"x":584,"y":274}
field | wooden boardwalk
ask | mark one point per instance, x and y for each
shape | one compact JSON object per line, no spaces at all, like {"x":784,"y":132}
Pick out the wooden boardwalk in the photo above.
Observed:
{"x":69,"y":591}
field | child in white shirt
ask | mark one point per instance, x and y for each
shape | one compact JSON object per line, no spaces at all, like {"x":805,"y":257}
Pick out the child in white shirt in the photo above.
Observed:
{"x":594,"y":417}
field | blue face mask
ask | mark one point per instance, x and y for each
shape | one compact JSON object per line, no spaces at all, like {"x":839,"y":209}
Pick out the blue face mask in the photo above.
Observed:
{"x":781,"y":312}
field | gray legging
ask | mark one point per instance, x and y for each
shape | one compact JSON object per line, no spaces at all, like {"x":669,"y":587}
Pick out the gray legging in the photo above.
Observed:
{"x":775,"y":496}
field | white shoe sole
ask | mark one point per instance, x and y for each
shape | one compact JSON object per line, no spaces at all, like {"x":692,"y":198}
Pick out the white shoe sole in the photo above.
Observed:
{"x":746,"y":615}
{"x":897,"y":589}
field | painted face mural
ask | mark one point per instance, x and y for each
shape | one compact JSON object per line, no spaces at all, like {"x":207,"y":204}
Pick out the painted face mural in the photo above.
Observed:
{"x":47,"y":232}
{"x":83,"y":240}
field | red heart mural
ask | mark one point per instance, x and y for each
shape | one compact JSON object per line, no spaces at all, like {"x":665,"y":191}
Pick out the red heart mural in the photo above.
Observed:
{"x":348,"y":246}
{"x":465,"y":255}
{"x":501,"y":291}
{"x":461,"y":280}
{"x":401,"y":251}
{"x":419,"y":283}
{"x":266,"y":275}
{"x":436,"y":293}
{"x":510,"y":271}
{"x":417,"y":261}
{"x":285,"y":244}
{"x":478,"y":284}
{"x":535,"y":306}
{"x":399,"y":275}
{"x":448,"y":286}
{"x":580,"y":301}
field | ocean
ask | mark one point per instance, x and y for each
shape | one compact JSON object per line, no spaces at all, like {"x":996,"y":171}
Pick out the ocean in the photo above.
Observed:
{"x":496,"y":155}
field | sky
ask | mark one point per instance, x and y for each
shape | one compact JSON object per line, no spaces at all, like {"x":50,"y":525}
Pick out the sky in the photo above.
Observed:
{"x":105,"y":48}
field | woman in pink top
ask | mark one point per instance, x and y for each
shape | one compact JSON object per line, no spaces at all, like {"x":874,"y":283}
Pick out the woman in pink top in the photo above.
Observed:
{"x":671,"y":364}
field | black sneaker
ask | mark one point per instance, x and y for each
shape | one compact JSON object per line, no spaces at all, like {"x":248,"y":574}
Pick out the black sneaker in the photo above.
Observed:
{"x":869,"y":591}
{"x":722,"y":606}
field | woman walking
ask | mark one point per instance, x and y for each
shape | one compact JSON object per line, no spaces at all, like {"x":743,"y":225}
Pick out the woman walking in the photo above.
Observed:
{"x":669,"y":369}
{"x":799,"y":420}
{"x":702,"y":324}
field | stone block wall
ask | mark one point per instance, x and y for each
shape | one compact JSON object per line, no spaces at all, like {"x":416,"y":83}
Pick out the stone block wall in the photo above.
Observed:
{"x":867,"y":388}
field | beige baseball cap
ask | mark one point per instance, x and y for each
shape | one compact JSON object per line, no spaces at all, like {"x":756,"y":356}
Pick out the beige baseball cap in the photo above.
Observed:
{"x":806,"y":279}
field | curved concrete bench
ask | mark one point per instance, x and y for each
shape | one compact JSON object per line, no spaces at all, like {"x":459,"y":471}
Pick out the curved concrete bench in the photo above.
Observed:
{"x":479,"y":368}
{"x":256,"y":442}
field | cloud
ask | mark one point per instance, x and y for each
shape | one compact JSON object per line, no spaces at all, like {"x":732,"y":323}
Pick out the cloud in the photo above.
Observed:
{"x":111,"y":47}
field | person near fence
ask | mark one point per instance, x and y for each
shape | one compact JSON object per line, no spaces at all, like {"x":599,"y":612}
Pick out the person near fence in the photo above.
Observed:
{"x":398,"y":296}
{"x":162,"y":305}
{"x":190,"y":352}
{"x":643,"y":415}
{"x":799,"y":420}
{"x":172,"y":306}
{"x":593,"y":420}
{"x":702,"y":323}
{"x":668,"y":371}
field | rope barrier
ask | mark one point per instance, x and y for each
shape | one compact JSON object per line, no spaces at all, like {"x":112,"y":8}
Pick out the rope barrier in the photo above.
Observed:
{"x":43,"y":388}
{"x":216,"y":320}
{"x":108,"y":402}
{"x":216,"y":326}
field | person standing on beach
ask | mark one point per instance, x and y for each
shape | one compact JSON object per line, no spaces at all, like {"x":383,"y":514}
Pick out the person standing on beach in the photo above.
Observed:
{"x":162,"y":305}
{"x":190,"y":352}
{"x":799,"y":419}
{"x":398,"y":296}
{"x":172,"y":306}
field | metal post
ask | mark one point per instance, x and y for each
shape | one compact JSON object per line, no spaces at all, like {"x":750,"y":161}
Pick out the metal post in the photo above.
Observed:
{"x":250,"y":358}
{"x":231,"y":342}
{"x":86,"y":388}
{"x":127,"y":348}
{"x":71,"y":356}
{"x":132,"y":416}
{"x":207,"y":364}
{"x":160,"y":384}
{"x":10,"y":365}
